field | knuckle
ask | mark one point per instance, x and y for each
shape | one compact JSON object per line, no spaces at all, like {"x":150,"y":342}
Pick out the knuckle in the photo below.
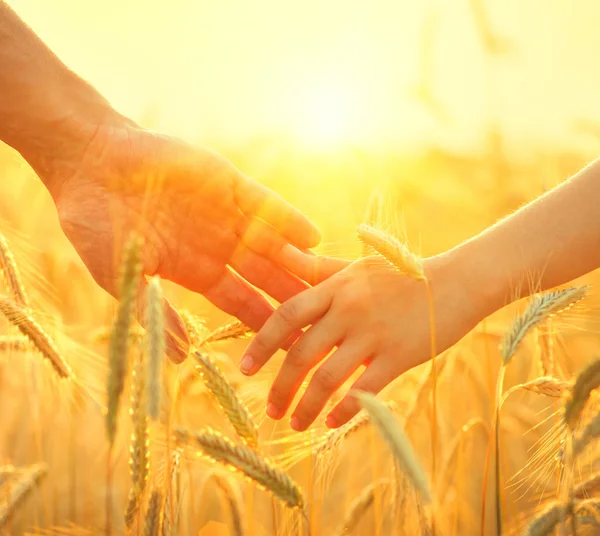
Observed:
{"x":295,"y":356}
{"x":277,"y":396}
{"x":325,"y":380}
{"x":288,"y":312}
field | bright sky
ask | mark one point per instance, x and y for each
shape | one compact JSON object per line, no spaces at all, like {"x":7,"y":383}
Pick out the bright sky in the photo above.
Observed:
{"x":330,"y":71}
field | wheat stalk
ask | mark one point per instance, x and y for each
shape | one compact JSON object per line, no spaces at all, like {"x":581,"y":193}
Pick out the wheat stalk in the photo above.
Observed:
{"x":156,"y":344}
{"x":171,"y":496}
{"x":236,"y":411}
{"x":153,"y":514}
{"x":233,"y":502}
{"x":394,"y":251}
{"x":20,"y":318}
{"x":361,"y":505}
{"x":120,"y":339}
{"x":587,"y":380}
{"x":397,"y":440}
{"x":248,"y":462}
{"x":10,"y":272}
{"x":539,"y":308}
{"x":17,"y":491}
{"x":139,"y":455}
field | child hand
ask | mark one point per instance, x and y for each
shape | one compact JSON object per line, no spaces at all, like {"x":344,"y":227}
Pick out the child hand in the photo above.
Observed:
{"x":375,"y":316}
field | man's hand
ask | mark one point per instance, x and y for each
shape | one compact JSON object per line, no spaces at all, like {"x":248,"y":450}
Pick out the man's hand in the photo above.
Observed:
{"x":205,"y":225}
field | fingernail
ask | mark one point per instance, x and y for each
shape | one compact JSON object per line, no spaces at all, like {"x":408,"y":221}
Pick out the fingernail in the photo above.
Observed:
{"x":295,"y":424}
{"x":273,"y":411}
{"x":330,"y":422}
{"x":246,"y":364}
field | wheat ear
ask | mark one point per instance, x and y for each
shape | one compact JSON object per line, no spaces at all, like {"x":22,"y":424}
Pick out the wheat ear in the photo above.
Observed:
{"x":119,"y":339}
{"x":587,"y":380}
{"x":545,"y":385}
{"x":539,"y":308}
{"x":156,"y":345}
{"x":10,"y":272}
{"x":334,"y":437}
{"x":18,"y":343}
{"x":18,"y":491}
{"x":153,"y":514}
{"x":20,"y":318}
{"x":171,"y":496}
{"x":545,"y":523}
{"x":361,"y":505}
{"x":397,"y":440}
{"x":195,"y":327}
{"x":236,"y":411}
{"x":591,"y":485}
{"x":248,"y":462}
{"x":394,"y":251}
{"x":233,"y":330}
{"x":139,"y":455}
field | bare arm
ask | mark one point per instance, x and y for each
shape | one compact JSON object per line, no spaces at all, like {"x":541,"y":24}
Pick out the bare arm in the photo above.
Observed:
{"x":378,"y":318}
{"x":205,"y":225}
{"x":47,"y":112}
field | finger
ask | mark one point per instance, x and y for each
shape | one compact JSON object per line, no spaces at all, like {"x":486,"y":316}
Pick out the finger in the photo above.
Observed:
{"x":311,"y":268}
{"x":254,"y":199}
{"x":261,"y":237}
{"x":265,"y":274}
{"x":177,"y":343}
{"x":373,"y":379}
{"x":293,"y":315}
{"x":309,"y":350}
{"x":234,"y":296}
{"x":327,"y":380}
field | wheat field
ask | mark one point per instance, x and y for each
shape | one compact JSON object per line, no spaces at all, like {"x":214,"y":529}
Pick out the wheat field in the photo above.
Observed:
{"x":193,"y":451}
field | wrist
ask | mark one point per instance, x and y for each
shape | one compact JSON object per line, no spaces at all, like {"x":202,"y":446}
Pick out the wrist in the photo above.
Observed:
{"x":54,"y":137}
{"x":476,"y":288}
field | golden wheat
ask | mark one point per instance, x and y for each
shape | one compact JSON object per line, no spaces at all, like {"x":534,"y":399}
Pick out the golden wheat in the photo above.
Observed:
{"x":587,"y":380}
{"x":169,"y":523}
{"x":249,"y":462}
{"x":10,"y":273}
{"x":236,"y":411}
{"x":153,"y":514}
{"x":233,"y":330}
{"x":156,"y":345}
{"x":539,"y":308}
{"x":26,"y":480}
{"x":387,"y":426}
{"x":233,"y":502}
{"x":394,"y":251}
{"x":119,"y":340}
{"x":545,"y":523}
{"x":361,"y":505}
{"x":139,"y":455}
{"x":20,"y":318}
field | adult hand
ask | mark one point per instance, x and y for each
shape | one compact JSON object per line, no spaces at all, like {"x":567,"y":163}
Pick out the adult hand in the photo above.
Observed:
{"x":205,"y":225}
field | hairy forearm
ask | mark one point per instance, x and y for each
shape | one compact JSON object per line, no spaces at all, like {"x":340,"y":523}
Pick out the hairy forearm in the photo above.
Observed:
{"x":47,"y":113}
{"x":551,"y":241}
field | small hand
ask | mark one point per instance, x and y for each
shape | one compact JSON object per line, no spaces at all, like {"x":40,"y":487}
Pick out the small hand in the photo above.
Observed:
{"x":205,"y":225}
{"x":370,"y":314}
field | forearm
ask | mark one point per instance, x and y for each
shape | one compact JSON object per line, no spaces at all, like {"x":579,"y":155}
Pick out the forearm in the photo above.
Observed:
{"x":47,"y":113}
{"x":551,"y":241}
